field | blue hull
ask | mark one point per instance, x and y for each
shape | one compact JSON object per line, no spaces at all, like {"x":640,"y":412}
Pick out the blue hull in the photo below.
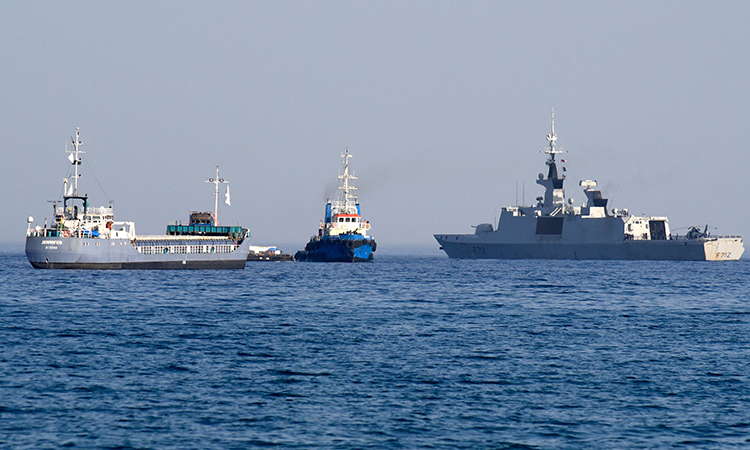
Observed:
{"x":345,"y":248}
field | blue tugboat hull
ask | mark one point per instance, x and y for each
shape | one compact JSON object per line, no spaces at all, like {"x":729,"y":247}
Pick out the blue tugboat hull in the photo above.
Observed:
{"x":354,"y":248}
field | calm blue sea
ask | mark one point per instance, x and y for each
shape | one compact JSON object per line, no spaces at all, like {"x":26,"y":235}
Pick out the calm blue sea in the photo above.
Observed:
{"x":404,"y":352}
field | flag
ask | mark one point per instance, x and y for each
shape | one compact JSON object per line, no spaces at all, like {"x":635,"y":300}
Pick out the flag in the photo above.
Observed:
{"x":226,"y":199}
{"x":70,"y":190}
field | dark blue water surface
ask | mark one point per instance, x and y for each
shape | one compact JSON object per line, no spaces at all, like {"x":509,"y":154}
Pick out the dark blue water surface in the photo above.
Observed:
{"x":403,"y":352}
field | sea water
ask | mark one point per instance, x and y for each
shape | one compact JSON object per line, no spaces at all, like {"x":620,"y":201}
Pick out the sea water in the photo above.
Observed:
{"x":402,"y":352}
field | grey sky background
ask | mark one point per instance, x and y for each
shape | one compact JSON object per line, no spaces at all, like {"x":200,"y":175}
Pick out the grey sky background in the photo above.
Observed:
{"x":444,"y":105}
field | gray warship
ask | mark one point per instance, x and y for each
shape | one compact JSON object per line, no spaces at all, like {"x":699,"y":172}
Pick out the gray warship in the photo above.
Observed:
{"x":556,"y":229}
{"x":85,"y":237}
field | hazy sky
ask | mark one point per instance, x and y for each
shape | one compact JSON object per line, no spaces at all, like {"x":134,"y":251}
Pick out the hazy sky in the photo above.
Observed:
{"x":444,"y":105}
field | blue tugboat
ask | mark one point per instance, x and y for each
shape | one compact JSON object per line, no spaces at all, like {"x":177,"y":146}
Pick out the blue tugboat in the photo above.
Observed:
{"x":342,"y":236}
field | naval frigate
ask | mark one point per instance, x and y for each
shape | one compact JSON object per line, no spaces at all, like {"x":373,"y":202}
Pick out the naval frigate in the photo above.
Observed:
{"x":556,"y":229}
{"x":85,"y":237}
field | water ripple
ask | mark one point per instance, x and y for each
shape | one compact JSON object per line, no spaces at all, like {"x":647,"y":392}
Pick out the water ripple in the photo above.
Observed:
{"x":402,"y":353}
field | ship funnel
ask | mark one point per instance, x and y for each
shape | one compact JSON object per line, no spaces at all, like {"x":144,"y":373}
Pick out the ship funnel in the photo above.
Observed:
{"x":328,"y":212}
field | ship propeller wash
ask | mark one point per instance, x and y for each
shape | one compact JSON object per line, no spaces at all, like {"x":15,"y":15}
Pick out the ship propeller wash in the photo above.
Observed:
{"x":556,"y":229}
{"x":342,"y":236}
{"x":82,"y":237}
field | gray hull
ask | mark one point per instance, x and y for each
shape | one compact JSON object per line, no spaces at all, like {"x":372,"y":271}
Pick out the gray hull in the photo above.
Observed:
{"x":472,"y":246}
{"x":77,"y":253}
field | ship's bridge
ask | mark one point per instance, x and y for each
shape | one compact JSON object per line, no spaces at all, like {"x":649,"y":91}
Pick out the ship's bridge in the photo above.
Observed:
{"x":346,"y":224}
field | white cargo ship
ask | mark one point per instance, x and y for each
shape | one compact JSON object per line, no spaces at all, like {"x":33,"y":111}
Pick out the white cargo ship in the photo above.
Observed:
{"x":556,"y":229}
{"x":82,"y":237}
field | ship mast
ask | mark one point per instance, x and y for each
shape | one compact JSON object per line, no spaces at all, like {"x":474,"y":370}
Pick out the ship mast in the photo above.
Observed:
{"x":75,"y":159}
{"x":216,"y":181}
{"x":554,"y":195}
{"x":552,"y":137}
{"x":345,"y":184}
